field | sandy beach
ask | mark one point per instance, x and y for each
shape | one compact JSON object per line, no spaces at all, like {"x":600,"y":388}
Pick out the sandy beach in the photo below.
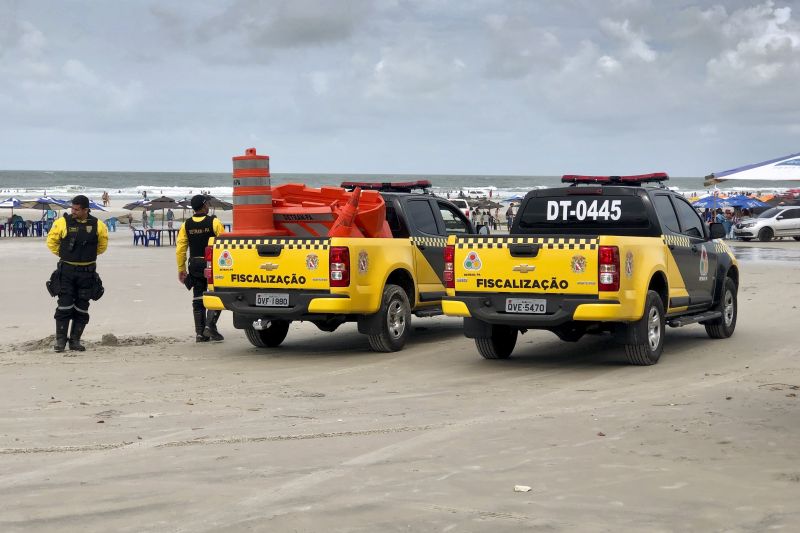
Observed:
{"x":148,"y":431}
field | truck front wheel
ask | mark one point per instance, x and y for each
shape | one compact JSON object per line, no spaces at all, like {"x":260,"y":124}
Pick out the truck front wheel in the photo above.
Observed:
{"x":270,"y":337}
{"x":646,"y":336}
{"x":394,"y":324}
{"x":499,"y":345}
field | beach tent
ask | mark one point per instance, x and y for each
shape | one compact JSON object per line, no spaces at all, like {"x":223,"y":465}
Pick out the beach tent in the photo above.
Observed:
{"x":515,"y":198}
{"x":785,"y":168}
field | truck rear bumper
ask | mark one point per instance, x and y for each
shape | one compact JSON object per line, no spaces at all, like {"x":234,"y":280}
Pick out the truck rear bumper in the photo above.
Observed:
{"x":489,"y":308}
{"x":302,"y":305}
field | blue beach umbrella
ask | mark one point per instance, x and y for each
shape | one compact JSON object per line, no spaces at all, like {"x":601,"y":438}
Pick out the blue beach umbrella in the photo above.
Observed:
{"x":712,"y":202}
{"x":95,"y":205}
{"x":746,"y":201}
{"x":45,"y":203}
{"x":11,"y":203}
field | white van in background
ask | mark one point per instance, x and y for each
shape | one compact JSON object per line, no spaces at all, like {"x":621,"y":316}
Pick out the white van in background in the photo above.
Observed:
{"x":463,"y":205}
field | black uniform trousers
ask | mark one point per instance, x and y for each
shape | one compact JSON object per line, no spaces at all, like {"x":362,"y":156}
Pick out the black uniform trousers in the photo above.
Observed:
{"x":199,"y":286}
{"x":77,"y":283}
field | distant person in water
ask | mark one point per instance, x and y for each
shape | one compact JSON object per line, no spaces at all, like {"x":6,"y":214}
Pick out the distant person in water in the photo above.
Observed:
{"x":106,"y":199}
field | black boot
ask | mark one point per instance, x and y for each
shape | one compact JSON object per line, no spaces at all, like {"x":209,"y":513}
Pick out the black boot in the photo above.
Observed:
{"x":199,"y":324}
{"x":210,"y":330}
{"x":75,"y":337}
{"x":62,"y":326}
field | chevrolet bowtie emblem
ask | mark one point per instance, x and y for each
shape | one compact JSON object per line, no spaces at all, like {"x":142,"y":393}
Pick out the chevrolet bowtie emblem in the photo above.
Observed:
{"x":268,"y":266}
{"x":524,"y":268}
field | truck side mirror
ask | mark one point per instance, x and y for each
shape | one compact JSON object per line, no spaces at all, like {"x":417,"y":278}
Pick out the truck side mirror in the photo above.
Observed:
{"x":717,"y":230}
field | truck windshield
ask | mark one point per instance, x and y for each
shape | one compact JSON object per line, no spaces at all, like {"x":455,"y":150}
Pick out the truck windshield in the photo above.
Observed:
{"x":588,"y":214}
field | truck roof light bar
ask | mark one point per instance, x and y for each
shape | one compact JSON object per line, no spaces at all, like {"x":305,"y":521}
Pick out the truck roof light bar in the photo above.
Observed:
{"x":638,"y":179}
{"x":388,"y":186}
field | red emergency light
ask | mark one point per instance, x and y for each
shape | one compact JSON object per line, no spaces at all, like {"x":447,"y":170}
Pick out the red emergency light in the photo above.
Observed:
{"x":616,"y":180}
{"x":387,"y":186}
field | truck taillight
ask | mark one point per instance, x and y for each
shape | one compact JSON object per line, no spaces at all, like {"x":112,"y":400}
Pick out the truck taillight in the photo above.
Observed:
{"x":608,"y":268}
{"x":208,"y":272}
{"x":339,"y":261}
{"x":449,"y":266}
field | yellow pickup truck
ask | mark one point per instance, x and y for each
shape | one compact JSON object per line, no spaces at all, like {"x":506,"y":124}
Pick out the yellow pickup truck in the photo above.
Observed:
{"x":605,"y":254}
{"x":269,"y":282}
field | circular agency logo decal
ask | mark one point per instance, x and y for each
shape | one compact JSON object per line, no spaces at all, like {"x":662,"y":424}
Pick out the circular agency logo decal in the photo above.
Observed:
{"x":578,"y":264}
{"x":225,"y":260}
{"x":312,"y":261}
{"x":472,"y":261}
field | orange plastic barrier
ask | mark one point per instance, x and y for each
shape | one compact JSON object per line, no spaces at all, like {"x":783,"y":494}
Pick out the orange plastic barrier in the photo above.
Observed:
{"x":292,"y":209}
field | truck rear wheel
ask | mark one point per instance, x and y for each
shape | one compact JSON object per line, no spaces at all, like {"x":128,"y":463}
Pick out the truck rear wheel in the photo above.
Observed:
{"x":499,"y":345}
{"x":722,"y":328}
{"x":647,"y":333}
{"x":395,"y":321}
{"x":272,"y":336}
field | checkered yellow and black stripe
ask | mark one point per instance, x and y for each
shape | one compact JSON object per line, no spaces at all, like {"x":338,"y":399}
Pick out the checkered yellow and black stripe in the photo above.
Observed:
{"x":250,"y":244}
{"x":546,"y":243}
{"x":441,"y":242}
{"x":677,"y":240}
{"x":722,"y":248}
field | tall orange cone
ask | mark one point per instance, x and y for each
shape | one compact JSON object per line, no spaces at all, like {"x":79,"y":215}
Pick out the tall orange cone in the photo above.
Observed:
{"x":252,"y":196}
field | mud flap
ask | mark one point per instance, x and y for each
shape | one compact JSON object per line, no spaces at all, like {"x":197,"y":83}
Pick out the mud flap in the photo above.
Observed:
{"x":474,"y":329}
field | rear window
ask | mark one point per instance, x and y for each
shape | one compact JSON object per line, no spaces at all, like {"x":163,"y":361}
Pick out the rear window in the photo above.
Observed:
{"x":589,"y":214}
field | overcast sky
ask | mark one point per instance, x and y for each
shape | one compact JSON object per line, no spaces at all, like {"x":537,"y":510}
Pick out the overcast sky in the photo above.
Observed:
{"x":399,"y":86}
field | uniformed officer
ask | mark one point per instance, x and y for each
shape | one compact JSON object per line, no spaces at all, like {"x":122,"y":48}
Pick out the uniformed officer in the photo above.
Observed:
{"x":194,"y":235}
{"x":77,"y":239}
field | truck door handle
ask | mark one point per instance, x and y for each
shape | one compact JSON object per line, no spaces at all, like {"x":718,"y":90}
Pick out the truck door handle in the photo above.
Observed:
{"x":523,"y":250}
{"x":269,"y":250}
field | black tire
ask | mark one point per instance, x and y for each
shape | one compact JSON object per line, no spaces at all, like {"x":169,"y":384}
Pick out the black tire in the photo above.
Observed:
{"x":395,"y":321}
{"x":745,"y":239}
{"x":270,"y":337}
{"x":728,"y":304}
{"x":647,"y":333}
{"x":796,"y":238}
{"x":499,"y":345}
{"x":766,"y":234}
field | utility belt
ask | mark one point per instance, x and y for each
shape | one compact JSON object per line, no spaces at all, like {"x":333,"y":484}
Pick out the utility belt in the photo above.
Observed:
{"x":55,"y":284}
{"x":196,"y":270}
{"x":77,"y":268}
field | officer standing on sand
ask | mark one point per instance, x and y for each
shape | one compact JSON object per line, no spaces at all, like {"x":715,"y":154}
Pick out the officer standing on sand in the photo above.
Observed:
{"x":77,"y":239}
{"x":194,"y":235}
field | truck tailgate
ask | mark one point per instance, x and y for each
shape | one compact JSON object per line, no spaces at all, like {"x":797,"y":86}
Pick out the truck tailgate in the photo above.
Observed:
{"x":552,"y":265}
{"x":270,"y":263}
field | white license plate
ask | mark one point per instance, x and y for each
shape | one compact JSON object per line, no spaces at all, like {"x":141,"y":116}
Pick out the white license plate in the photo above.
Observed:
{"x":269,"y":299}
{"x":526,"y":305}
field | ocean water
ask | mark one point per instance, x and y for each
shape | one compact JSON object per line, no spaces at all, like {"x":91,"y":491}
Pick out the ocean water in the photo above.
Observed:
{"x":127,"y":186}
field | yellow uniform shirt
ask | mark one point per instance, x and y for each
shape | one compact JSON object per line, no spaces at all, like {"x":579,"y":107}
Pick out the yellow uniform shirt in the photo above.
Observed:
{"x":59,"y":231}
{"x":183,"y":240}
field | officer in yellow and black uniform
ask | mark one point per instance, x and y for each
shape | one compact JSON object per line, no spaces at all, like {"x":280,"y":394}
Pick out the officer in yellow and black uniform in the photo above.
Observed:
{"x":77,"y":239}
{"x":194,"y":235}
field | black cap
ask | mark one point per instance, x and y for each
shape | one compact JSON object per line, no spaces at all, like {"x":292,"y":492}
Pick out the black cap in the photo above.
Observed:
{"x":81,"y":200}
{"x":198,"y":201}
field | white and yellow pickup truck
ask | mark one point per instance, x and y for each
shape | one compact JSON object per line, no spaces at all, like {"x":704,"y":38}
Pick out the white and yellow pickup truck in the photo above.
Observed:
{"x":269,"y":282}
{"x":605,"y":254}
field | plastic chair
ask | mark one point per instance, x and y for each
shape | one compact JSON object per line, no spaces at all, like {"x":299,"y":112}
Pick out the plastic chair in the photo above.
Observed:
{"x":20,"y":228}
{"x":154,"y":236}
{"x":138,"y":235}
